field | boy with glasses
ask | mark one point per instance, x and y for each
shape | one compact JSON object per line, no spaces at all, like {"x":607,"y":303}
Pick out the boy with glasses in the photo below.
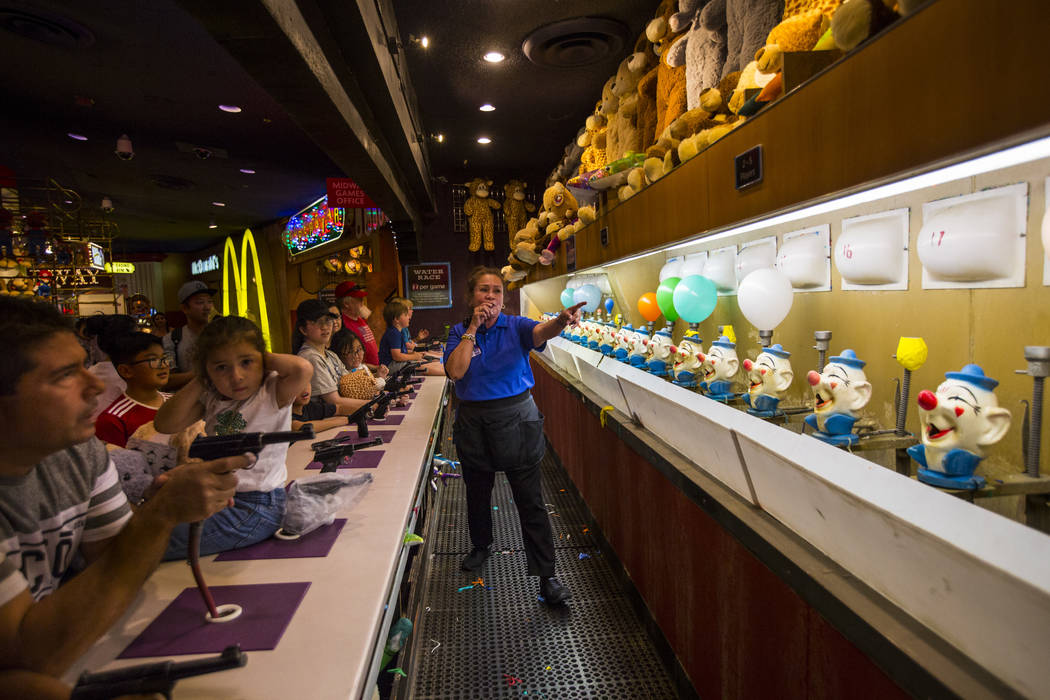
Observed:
{"x":141,"y":362}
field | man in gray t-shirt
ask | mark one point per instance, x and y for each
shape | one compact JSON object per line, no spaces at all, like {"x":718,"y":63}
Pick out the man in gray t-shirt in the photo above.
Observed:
{"x":59,"y":496}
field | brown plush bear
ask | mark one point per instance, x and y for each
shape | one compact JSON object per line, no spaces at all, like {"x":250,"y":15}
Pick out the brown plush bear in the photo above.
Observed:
{"x":622,"y":107}
{"x":515,"y":209}
{"x":670,"y":80}
{"x":478,"y":209}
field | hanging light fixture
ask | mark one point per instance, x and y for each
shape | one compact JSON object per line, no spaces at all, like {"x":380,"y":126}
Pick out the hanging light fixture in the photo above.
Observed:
{"x":107,"y":205}
{"x":124,"y":150}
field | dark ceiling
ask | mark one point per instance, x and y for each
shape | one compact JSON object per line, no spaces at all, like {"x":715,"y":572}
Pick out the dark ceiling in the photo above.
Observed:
{"x":158,"y":71}
{"x":539,"y":108}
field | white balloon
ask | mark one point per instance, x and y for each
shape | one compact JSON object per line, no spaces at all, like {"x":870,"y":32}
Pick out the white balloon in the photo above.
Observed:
{"x":590,"y":294}
{"x":672,"y":268}
{"x":693,"y":265}
{"x":765,"y":298}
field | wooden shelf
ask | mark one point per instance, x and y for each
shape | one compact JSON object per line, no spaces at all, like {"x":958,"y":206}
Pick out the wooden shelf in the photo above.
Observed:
{"x":954,"y":79}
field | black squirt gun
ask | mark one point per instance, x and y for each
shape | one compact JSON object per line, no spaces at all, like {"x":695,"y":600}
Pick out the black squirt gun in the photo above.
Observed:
{"x":220,"y":447}
{"x":331,"y":453}
{"x":158,"y":677}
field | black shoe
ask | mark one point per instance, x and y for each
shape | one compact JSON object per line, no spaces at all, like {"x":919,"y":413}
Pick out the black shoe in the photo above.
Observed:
{"x":476,"y":559}
{"x":553,"y":592}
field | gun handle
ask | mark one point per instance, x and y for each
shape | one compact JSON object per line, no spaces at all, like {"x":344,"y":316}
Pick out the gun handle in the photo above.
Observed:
{"x":362,"y":426}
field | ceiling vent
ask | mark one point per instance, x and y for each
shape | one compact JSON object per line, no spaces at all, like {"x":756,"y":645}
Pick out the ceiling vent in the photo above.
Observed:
{"x":46,"y":28}
{"x":575,"y":43}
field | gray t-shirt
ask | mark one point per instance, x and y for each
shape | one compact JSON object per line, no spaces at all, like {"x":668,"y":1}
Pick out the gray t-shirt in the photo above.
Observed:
{"x":70,"y":497}
{"x":184,"y":355}
{"x":328,"y":370}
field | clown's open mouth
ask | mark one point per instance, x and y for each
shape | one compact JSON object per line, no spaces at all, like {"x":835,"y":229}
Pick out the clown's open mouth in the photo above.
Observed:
{"x":935,"y":433}
{"x":823,"y":403}
{"x":755,"y":385}
{"x":709,"y":372}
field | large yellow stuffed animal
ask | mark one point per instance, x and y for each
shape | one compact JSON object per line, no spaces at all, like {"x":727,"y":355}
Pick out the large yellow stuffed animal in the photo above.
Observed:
{"x":478,"y":209}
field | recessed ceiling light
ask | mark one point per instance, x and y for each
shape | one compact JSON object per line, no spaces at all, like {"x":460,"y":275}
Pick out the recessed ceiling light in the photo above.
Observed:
{"x":218,"y":204}
{"x":440,"y":138}
{"x":484,"y":139}
{"x":424,"y":42}
{"x":212,"y":224}
{"x":232,"y":109}
{"x":494,"y":57}
{"x":487,"y":108}
{"x":247,"y":171}
{"x":76,"y":137}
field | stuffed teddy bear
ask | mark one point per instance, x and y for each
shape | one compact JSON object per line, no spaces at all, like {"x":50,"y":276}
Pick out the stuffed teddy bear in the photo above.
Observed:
{"x":670,"y":80}
{"x":704,"y":50}
{"x":750,"y":78}
{"x":798,"y":7}
{"x":478,"y":209}
{"x":515,"y":208}
{"x":594,"y":142}
{"x":800,"y":32}
{"x":624,"y":133}
{"x":856,"y":20}
{"x":748,"y":24}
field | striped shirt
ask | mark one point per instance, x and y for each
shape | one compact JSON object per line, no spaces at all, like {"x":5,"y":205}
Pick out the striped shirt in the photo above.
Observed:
{"x":122,"y":418}
{"x":70,"y":497}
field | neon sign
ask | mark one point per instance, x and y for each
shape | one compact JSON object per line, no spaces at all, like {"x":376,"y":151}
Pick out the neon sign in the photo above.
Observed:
{"x":314,"y":226}
{"x":241,"y":280}
{"x":208,"y":264}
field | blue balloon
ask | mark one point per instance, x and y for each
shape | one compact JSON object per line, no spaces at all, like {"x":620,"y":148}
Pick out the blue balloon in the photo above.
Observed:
{"x":695,"y":298}
{"x":609,"y":304}
{"x":566,"y":297}
{"x":590,"y":295}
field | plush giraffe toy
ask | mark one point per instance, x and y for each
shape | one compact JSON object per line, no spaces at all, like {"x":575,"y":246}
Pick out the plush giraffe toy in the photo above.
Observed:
{"x":478,"y":209}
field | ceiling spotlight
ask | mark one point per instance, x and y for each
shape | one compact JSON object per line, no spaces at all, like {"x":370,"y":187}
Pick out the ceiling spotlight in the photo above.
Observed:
{"x":247,"y":171}
{"x":107,"y":205}
{"x":212,"y":224}
{"x":484,"y":139}
{"x":487,"y":108}
{"x":493,"y":57}
{"x":218,"y":204}
{"x":232,"y":109}
{"x":424,"y":41}
{"x":124,"y":150}
{"x":440,"y":138}
{"x":76,"y":137}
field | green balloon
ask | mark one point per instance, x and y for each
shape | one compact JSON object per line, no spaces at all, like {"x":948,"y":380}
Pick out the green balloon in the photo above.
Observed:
{"x":665,"y":298}
{"x":567,"y":297}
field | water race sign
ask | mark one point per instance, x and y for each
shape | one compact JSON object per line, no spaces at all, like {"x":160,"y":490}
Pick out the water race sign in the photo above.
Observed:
{"x":429,"y":285}
{"x":344,"y":192}
{"x":314,"y":226}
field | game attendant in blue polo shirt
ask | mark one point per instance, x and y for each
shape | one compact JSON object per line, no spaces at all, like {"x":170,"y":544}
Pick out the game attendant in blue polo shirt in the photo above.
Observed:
{"x":498,"y":427}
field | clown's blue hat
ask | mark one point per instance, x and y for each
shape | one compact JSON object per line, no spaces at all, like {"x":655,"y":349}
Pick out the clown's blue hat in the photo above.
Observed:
{"x":848,"y":358}
{"x":724,"y":342}
{"x":973,"y":374}
{"x":778,"y":351}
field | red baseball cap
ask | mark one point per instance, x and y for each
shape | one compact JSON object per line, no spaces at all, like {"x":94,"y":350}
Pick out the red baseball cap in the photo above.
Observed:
{"x":350,"y":289}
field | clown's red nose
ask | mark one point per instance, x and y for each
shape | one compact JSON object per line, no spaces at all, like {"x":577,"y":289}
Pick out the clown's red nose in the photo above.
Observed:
{"x":927,"y":400}
{"x":747,"y":365}
{"x":813,"y":378}
{"x":700,"y":356}
{"x":674,"y":350}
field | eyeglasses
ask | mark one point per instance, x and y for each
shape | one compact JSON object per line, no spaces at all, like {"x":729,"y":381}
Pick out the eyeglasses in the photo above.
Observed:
{"x":154,"y":362}
{"x":324,"y":322}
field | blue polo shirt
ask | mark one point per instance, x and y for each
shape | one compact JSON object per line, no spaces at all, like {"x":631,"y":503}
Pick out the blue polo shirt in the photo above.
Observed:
{"x":392,"y":339}
{"x":500,"y":365}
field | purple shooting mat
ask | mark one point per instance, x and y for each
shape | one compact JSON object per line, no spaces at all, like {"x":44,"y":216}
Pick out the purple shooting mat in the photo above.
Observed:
{"x":408,"y":405}
{"x":387,"y":420}
{"x":350,"y":436}
{"x":182,"y":629}
{"x":313,"y":544}
{"x":365,"y":459}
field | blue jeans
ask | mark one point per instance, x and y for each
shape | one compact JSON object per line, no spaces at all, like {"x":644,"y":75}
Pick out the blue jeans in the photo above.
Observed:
{"x":254,"y":517}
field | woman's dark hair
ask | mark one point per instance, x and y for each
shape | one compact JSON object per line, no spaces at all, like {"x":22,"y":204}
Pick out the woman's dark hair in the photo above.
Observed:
{"x":110,"y":329}
{"x":223,"y":331}
{"x":24,"y":325}
{"x":343,"y":340}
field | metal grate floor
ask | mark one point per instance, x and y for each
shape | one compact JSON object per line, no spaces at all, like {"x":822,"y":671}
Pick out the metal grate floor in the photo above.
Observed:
{"x":500,"y":641}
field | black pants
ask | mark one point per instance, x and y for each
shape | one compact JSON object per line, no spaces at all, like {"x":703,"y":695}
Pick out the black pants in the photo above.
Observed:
{"x":505,"y":435}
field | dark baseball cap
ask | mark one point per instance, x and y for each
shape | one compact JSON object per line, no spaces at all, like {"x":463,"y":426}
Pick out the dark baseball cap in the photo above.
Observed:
{"x":193,"y":287}
{"x":313,"y":310}
{"x":350,"y":289}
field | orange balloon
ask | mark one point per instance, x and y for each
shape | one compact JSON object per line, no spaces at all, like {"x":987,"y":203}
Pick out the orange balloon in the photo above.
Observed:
{"x":648,"y":307}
